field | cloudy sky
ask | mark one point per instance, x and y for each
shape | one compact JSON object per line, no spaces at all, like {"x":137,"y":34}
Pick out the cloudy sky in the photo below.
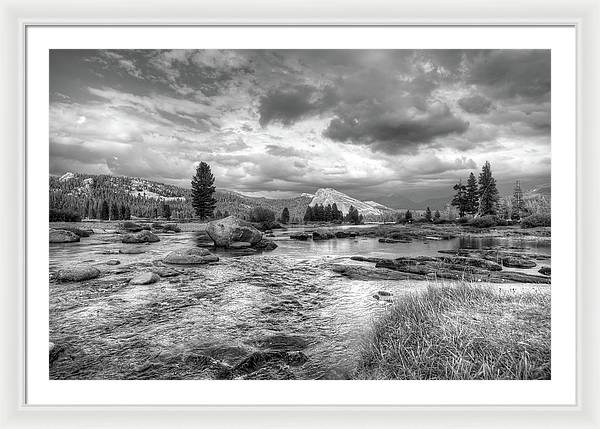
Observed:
{"x":277,"y":123}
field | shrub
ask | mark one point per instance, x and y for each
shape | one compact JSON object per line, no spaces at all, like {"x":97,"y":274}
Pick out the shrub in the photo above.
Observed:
{"x":422,"y":220}
{"x":63,"y":216}
{"x":463,"y":219}
{"x":441,"y":221}
{"x":487,"y":221}
{"x":536,"y":220}
{"x":261,"y":214}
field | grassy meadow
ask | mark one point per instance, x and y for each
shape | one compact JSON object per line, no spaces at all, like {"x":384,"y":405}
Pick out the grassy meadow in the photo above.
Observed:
{"x":461,"y":332}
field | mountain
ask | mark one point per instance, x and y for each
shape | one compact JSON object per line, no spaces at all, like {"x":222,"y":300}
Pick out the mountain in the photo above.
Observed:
{"x":82,"y":193}
{"x":325,"y":196}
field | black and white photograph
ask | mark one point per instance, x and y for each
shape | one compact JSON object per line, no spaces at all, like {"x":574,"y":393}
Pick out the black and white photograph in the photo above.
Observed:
{"x":285,"y":214}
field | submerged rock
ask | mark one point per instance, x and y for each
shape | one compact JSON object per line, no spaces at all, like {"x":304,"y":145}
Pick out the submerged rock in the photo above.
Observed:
{"x":190,"y":256}
{"x":77,"y":273}
{"x":132,"y":250}
{"x":145,"y":278}
{"x":545,"y":271}
{"x":62,"y":236}
{"x":143,"y":236}
{"x":259,"y":360}
{"x":231,"y":229}
{"x":516,"y":262}
{"x":393,"y":240}
{"x":513,"y":276}
{"x":132,"y":226}
{"x":78,"y":231}
{"x":113,"y":262}
{"x":322,"y":234}
{"x":359,"y":272}
{"x":302,"y":236}
{"x":239,"y":245}
{"x":266,"y":245}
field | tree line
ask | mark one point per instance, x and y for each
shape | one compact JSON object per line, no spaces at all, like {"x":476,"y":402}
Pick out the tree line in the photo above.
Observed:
{"x":480,"y":197}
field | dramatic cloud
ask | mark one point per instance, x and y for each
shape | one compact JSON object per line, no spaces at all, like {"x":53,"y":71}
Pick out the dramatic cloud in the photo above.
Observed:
{"x":475,"y":104}
{"x":367,"y":122}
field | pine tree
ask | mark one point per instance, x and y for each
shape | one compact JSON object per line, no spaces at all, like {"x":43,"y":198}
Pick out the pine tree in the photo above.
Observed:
{"x":327,"y":213}
{"x":127,"y":213}
{"x":518,"y":205}
{"x":408,"y":216}
{"x":202,"y":191}
{"x":308,"y":214}
{"x":285,"y":216}
{"x":104,"y":211}
{"x":114,"y":211}
{"x":428,"y":214}
{"x":472,"y":195}
{"x":488,"y":193}
{"x":353,"y":216}
{"x":436,"y":215}
{"x":336,"y":213}
{"x":460,"y":199}
{"x":166,"y":211}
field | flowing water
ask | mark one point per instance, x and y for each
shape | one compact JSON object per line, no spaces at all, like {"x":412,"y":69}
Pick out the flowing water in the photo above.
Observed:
{"x":286,"y":299}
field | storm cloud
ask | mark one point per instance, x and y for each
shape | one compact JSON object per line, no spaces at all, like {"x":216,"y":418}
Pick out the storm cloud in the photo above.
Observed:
{"x":281,"y":122}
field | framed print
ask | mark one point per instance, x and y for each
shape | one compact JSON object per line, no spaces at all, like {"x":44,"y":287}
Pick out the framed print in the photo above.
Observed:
{"x":315,"y":218}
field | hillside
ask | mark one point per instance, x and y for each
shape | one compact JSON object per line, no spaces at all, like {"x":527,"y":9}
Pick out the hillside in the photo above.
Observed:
{"x":83,"y":193}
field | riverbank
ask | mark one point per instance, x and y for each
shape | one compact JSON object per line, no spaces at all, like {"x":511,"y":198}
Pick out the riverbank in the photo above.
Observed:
{"x":461,"y":332}
{"x":287,"y":313}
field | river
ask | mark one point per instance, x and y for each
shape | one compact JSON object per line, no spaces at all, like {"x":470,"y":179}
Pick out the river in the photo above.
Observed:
{"x":286,"y":299}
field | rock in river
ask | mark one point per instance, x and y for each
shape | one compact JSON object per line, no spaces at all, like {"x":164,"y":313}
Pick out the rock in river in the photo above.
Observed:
{"x":516,"y":262}
{"x":145,"y":278}
{"x":141,"y":237}
{"x":359,"y":272}
{"x":302,"y":236}
{"x":545,"y":271}
{"x":239,"y":245}
{"x":266,"y":245}
{"x":136,"y":250}
{"x":77,"y":273}
{"x":231,"y":229}
{"x":191,"y":256}
{"x":113,"y":262}
{"x":131,"y":226}
{"x":62,"y":236}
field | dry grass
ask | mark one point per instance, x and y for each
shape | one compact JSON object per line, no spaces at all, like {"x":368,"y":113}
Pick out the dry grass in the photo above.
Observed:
{"x":461,"y":332}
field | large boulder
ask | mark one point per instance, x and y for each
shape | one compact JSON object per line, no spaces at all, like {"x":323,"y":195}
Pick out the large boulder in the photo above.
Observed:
{"x":141,"y":237}
{"x":62,"y":236}
{"x":266,"y":245}
{"x":77,"y":273}
{"x":191,"y":256}
{"x":145,"y":278}
{"x":230,"y":229}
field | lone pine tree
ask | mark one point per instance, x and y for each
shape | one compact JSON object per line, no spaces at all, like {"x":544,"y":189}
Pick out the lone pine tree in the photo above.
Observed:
{"x":202,"y":191}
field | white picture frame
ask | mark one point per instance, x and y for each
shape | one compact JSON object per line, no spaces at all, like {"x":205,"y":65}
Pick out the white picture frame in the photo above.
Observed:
{"x":583,"y":15}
